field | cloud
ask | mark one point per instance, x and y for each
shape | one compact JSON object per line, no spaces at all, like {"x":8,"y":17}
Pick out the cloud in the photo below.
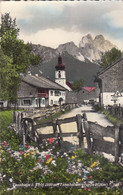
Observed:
{"x":60,"y":36}
{"x":40,"y":21}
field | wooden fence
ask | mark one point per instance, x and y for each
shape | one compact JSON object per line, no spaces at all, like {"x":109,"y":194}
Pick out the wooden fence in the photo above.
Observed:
{"x":95,"y":135}
{"x":96,"y":138}
{"x":30,"y":130}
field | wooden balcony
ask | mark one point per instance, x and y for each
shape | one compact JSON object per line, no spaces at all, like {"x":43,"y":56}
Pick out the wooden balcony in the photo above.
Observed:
{"x":44,"y":95}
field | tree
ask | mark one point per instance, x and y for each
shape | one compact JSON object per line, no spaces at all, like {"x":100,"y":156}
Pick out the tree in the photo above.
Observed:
{"x":16,"y":56}
{"x":8,"y":24}
{"x":77,"y":85}
{"x":110,"y":57}
{"x":9,"y":79}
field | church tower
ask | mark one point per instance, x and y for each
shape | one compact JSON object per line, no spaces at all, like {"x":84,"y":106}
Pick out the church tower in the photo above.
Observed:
{"x":60,"y":74}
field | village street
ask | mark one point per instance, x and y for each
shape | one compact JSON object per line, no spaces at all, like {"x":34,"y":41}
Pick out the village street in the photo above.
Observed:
{"x":91,"y":115}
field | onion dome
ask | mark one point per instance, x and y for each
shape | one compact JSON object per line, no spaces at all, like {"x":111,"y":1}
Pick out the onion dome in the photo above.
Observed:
{"x":60,"y":66}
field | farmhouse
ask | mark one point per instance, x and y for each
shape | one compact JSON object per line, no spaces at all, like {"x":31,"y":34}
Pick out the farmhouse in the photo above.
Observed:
{"x":111,"y":84}
{"x":38,"y":91}
{"x":85,"y":95}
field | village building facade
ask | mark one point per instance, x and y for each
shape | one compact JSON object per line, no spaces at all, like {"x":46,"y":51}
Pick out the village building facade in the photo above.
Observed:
{"x":111,"y":84}
{"x":38,"y":91}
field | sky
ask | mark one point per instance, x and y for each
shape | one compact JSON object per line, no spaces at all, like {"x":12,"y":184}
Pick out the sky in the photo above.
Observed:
{"x":51,"y":23}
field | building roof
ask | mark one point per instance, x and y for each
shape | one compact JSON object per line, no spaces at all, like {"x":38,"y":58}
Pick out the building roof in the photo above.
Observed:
{"x":69,"y":85}
{"x":41,"y":82}
{"x":89,"y":89}
{"x":110,"y":66}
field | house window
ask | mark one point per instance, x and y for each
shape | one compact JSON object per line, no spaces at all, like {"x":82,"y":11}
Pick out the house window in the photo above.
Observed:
{"x":57,"y":93}
{"x":51,"y":93}
{"x":51,"y":102}
{"x":43,"y":101}
{"x":27,"y":102}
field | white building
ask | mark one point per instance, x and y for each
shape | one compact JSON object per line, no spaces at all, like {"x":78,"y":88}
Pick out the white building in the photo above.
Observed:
{"x":38,"y":91}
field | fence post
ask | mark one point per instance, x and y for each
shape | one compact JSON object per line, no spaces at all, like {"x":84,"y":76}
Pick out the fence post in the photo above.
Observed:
{"x":54,"y":128}
{"x":60,"y":131}
{"x":13,"y":117}
{"x":87,"y":134}
{"x":116,"y":143}
{"x":24,"y":136}
{"x":80,"y":130}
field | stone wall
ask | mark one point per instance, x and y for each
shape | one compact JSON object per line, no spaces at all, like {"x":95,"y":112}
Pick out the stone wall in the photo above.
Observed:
{"x":112,"y":78}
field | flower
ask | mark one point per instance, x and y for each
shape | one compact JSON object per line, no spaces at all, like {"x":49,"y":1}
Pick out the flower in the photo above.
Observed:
{"x":50,"y":140}
{"x":50,"y":159}
{"x":21,"y":152}
{"x":96,"y":163}
{"x":27,"y":146}
{"x":5,"y":144}
{"x":47,"y":156}
{"x":72,"y":157}
{"x":79,"y":180}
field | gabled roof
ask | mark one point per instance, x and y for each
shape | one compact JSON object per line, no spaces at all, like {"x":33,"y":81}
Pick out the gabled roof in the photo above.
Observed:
{"x":41,"y":82}
{"x":69,"y":85}
{"x":110,"y":66}
{"x":89,"y":89}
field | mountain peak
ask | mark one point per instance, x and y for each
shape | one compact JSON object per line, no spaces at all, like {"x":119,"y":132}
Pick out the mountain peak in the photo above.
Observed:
{"x":100,"y":37}
{"x":69,"y":47}
{"x":92,"y":49}
{"x":89,"y":48}
{"x":85,"y":40}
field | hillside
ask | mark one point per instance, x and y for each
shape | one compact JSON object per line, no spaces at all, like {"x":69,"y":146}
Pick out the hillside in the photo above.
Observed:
{"x":75,"y":69}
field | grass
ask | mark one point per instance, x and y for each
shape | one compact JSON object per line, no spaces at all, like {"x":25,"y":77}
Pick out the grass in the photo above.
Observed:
{"x":6,"y":133}
{"x":112,"y":118}
{"x":54,"y":116}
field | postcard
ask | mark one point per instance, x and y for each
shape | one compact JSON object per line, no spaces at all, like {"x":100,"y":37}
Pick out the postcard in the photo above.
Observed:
{"x":61,"y":97}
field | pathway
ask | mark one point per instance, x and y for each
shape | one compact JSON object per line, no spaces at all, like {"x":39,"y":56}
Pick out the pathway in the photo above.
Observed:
{"x":72,"y":127}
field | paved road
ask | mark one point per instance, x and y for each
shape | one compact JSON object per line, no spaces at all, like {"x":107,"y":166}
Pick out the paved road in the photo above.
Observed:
{"x":91,"y":116}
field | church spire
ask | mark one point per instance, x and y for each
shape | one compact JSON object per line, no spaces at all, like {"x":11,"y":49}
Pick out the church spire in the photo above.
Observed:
{"x":60,"y":66}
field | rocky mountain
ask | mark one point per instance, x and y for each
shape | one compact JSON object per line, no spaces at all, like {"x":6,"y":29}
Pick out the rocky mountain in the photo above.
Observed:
{"x":90,"y":49}
{"x":80,"y":62}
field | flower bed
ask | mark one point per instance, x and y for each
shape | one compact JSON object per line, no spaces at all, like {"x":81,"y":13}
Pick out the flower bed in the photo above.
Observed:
{"x":51,"y":164}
